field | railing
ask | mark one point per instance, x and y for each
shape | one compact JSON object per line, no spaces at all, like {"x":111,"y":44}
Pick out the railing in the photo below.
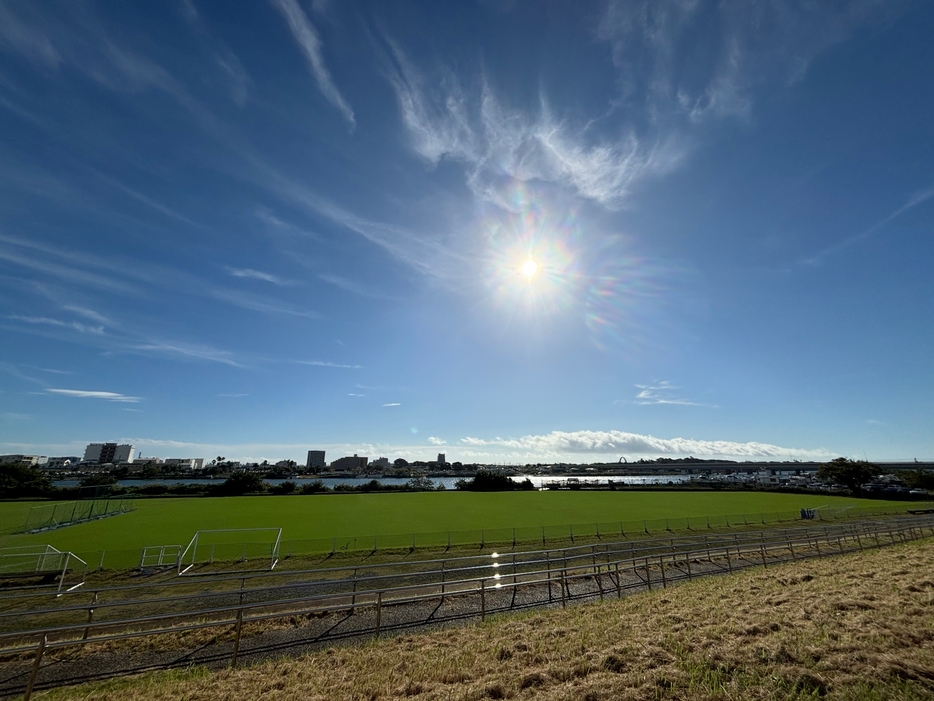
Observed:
{"x":480,"y":585}
{"x":529,"y":536}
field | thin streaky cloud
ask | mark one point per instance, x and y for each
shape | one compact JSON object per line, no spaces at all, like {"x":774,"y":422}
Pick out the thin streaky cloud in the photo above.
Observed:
{"x":77,"y":326}
{"x":393,"y":404}
{"x":308,"y":40}
{"x":353,"y":287}
{"x":234,"y":395}
{"x":94,"y":394}
{"x":250,"y":274}
{"x":327,"y":364}
{"x":913,"y":201}
{"x":187,"y":350}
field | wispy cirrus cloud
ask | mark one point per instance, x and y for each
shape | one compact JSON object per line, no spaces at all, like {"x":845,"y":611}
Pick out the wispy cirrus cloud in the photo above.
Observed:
{"x":492,"y":140}
{"x":913,"y":201}
{"x":558,"y":444}
{"x":327,"y":364}
{"x":189,"y":351}
{"x":94,"y":394}
{"x":308,"y":40}
{"x":250,"y":274}
{"x":700,"y":62}
{"x":42,"y":320}
{"x":663,"y":392}
{"x":387,"y":404}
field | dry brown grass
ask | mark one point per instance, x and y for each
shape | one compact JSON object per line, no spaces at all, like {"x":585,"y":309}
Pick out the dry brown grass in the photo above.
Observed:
{"x":852,"y":627}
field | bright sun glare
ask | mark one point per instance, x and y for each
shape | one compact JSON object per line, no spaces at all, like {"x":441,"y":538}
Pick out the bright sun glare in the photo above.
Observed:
{"x":529,"y":268}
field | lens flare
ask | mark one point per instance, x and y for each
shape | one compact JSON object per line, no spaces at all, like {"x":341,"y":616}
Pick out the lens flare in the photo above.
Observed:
{"x":546,"y":261}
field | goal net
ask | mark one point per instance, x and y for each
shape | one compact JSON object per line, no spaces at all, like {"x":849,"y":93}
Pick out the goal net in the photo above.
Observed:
{"x":65,"y":570}
{"x":250,"y":548}
{"x":45,"y":517}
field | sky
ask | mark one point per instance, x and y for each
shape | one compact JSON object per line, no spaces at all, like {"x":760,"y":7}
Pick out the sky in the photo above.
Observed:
{"x":511,"y":232}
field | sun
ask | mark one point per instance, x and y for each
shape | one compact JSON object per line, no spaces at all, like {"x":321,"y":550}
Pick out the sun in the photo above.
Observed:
{"x":529,"y":268}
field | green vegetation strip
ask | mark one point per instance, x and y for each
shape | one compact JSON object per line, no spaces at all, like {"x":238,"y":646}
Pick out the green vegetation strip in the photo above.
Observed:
{"x":317,"y":523}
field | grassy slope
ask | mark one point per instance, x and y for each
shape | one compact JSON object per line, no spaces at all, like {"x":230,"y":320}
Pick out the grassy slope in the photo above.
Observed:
{"x":859,"y":626}
{"x":174,"y":521}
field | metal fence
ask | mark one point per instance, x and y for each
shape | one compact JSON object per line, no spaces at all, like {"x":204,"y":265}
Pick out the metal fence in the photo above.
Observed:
{"x":394,"y":595}
{"x":484,"y":538}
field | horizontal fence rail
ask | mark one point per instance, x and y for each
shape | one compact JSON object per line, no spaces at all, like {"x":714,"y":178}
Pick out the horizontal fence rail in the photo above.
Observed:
{"x":486,"y":538}
{"x":378,"y":595}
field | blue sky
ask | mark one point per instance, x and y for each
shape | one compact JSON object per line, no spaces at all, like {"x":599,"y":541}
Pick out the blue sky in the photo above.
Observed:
{"x":253,"y":229}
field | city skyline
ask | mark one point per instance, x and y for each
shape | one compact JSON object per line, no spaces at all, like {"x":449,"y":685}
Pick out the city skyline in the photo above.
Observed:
{"x":512,"y":233}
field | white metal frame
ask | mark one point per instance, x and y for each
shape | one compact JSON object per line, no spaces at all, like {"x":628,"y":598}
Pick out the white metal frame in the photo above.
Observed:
{"x":191,"y":552}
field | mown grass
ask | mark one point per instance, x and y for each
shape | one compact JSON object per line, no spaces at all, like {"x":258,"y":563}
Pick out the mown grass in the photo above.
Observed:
{"x":174,"y":521}
{"x":854,"y":627}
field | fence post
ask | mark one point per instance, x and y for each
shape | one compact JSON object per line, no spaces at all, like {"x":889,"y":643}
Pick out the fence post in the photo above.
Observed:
{"x":100,"y":565}
{"x":548,"y":559}
{"x":237,"y":632}
{"x":564,"y":593}
{"x":729,"y":562}
{"x":482,"y":599}
{"x":379,"y":611}
{"x":35,"y":667}
{"x":571,"y":528}
{"x":543,"y":535}
{"x":87,"y":629}
{"x":513,"y":537}
{"x":661,"y":564}
{"x":762,"y":552}
{"x":619,"y":589}
{"x":687,"y":559}
{"x":648,"y":575}
{"x":599,"y":578}
{"x":353,"y":598}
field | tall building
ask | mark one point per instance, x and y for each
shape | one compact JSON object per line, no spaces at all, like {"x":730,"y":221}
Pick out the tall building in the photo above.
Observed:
{"x":441,"y":459}
{"x":315,"y":460}
{"x":103,"y":453}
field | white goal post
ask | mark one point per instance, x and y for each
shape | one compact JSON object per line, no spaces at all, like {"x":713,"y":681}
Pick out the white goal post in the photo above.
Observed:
{"x":231,"y":545}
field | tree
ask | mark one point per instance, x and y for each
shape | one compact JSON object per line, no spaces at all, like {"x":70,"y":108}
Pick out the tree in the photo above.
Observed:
{"x":21,"y":480}
{"x":400,"y":463}
{"x":488,"y":481}
{"x":241,"y":482}
{"x":852,"y":473}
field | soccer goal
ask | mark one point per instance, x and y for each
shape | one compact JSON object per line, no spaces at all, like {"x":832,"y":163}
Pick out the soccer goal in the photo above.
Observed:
{"x":29,"y":562}
{"x":251,"y":548}
{"x":45,"y":517}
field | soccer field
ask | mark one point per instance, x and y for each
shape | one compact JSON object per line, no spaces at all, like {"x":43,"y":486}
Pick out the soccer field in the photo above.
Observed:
{"x":174,"y":521}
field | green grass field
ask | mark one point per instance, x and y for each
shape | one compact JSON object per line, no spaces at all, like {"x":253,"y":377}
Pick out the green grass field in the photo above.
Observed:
{"x":174,"y":521}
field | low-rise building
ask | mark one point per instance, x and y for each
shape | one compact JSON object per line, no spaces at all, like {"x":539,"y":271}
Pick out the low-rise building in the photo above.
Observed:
{"x":31,"y":460}
{"x":348,"y":464}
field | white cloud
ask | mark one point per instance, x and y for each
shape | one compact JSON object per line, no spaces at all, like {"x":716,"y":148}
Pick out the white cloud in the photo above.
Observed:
{"x":327,"y":364}
{"x":354,"y":287}
{"x":392,"y":404}
{"x":94,"y":394}
{"x":234,"y":395}
{"x":248,"y":273}
{"x":492,"y":141}
{"x":436,"y":441}
{"x":913,"y":201}
{"x":663,"y":392}
{"x":308,"y":40}
{"x":46,"y":321}
{"x":354,"y":394}
{"x":189,"y":350}
{"x":562,"y":444}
